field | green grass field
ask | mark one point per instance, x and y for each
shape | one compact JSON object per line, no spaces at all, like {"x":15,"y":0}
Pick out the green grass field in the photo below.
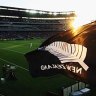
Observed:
{"x":12,"y":53}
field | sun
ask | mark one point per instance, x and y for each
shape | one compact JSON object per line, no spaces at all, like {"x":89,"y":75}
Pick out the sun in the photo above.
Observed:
{"x":76,"y":23}
{"x":80,"y":20}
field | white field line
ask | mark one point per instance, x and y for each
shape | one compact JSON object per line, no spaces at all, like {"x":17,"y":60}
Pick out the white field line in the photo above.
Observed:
{"x":13,"y":51}
{"x":8,"y":48}
{"x":18,"y":45}
{"x":14,"y":46}
{"x":14,"y":64}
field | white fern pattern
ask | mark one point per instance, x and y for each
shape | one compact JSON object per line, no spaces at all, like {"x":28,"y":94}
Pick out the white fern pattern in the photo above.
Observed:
{"x":68,"y":52}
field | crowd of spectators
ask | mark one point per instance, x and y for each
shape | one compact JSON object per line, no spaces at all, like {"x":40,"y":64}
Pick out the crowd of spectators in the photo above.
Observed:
{"x":22,"y":28}
{"x":21,"y":23}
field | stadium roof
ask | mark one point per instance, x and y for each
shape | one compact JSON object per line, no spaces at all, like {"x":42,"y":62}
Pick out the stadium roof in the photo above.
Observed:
{"x":22,"y":12}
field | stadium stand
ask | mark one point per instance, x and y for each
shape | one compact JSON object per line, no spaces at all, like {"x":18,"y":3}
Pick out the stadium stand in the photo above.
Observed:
{"x":21,"y":23}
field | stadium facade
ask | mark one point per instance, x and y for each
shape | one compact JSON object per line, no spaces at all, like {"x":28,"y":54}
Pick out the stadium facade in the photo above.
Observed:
{"x":21,"y":23}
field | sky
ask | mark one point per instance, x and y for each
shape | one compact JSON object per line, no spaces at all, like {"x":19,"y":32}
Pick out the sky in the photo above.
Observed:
{"x":85,"y":9}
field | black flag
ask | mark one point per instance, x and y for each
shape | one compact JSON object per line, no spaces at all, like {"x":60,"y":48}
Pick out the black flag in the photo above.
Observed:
{"x":72,"y":53}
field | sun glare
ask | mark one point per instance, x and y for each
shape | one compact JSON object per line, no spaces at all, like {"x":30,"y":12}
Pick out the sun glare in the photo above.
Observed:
{"x":80,"y":20}
{"x":76,"y":23}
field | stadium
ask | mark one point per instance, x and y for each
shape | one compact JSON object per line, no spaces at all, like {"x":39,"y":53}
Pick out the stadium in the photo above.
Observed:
{"x":20,"y":27}
{"x":28,"y":23}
